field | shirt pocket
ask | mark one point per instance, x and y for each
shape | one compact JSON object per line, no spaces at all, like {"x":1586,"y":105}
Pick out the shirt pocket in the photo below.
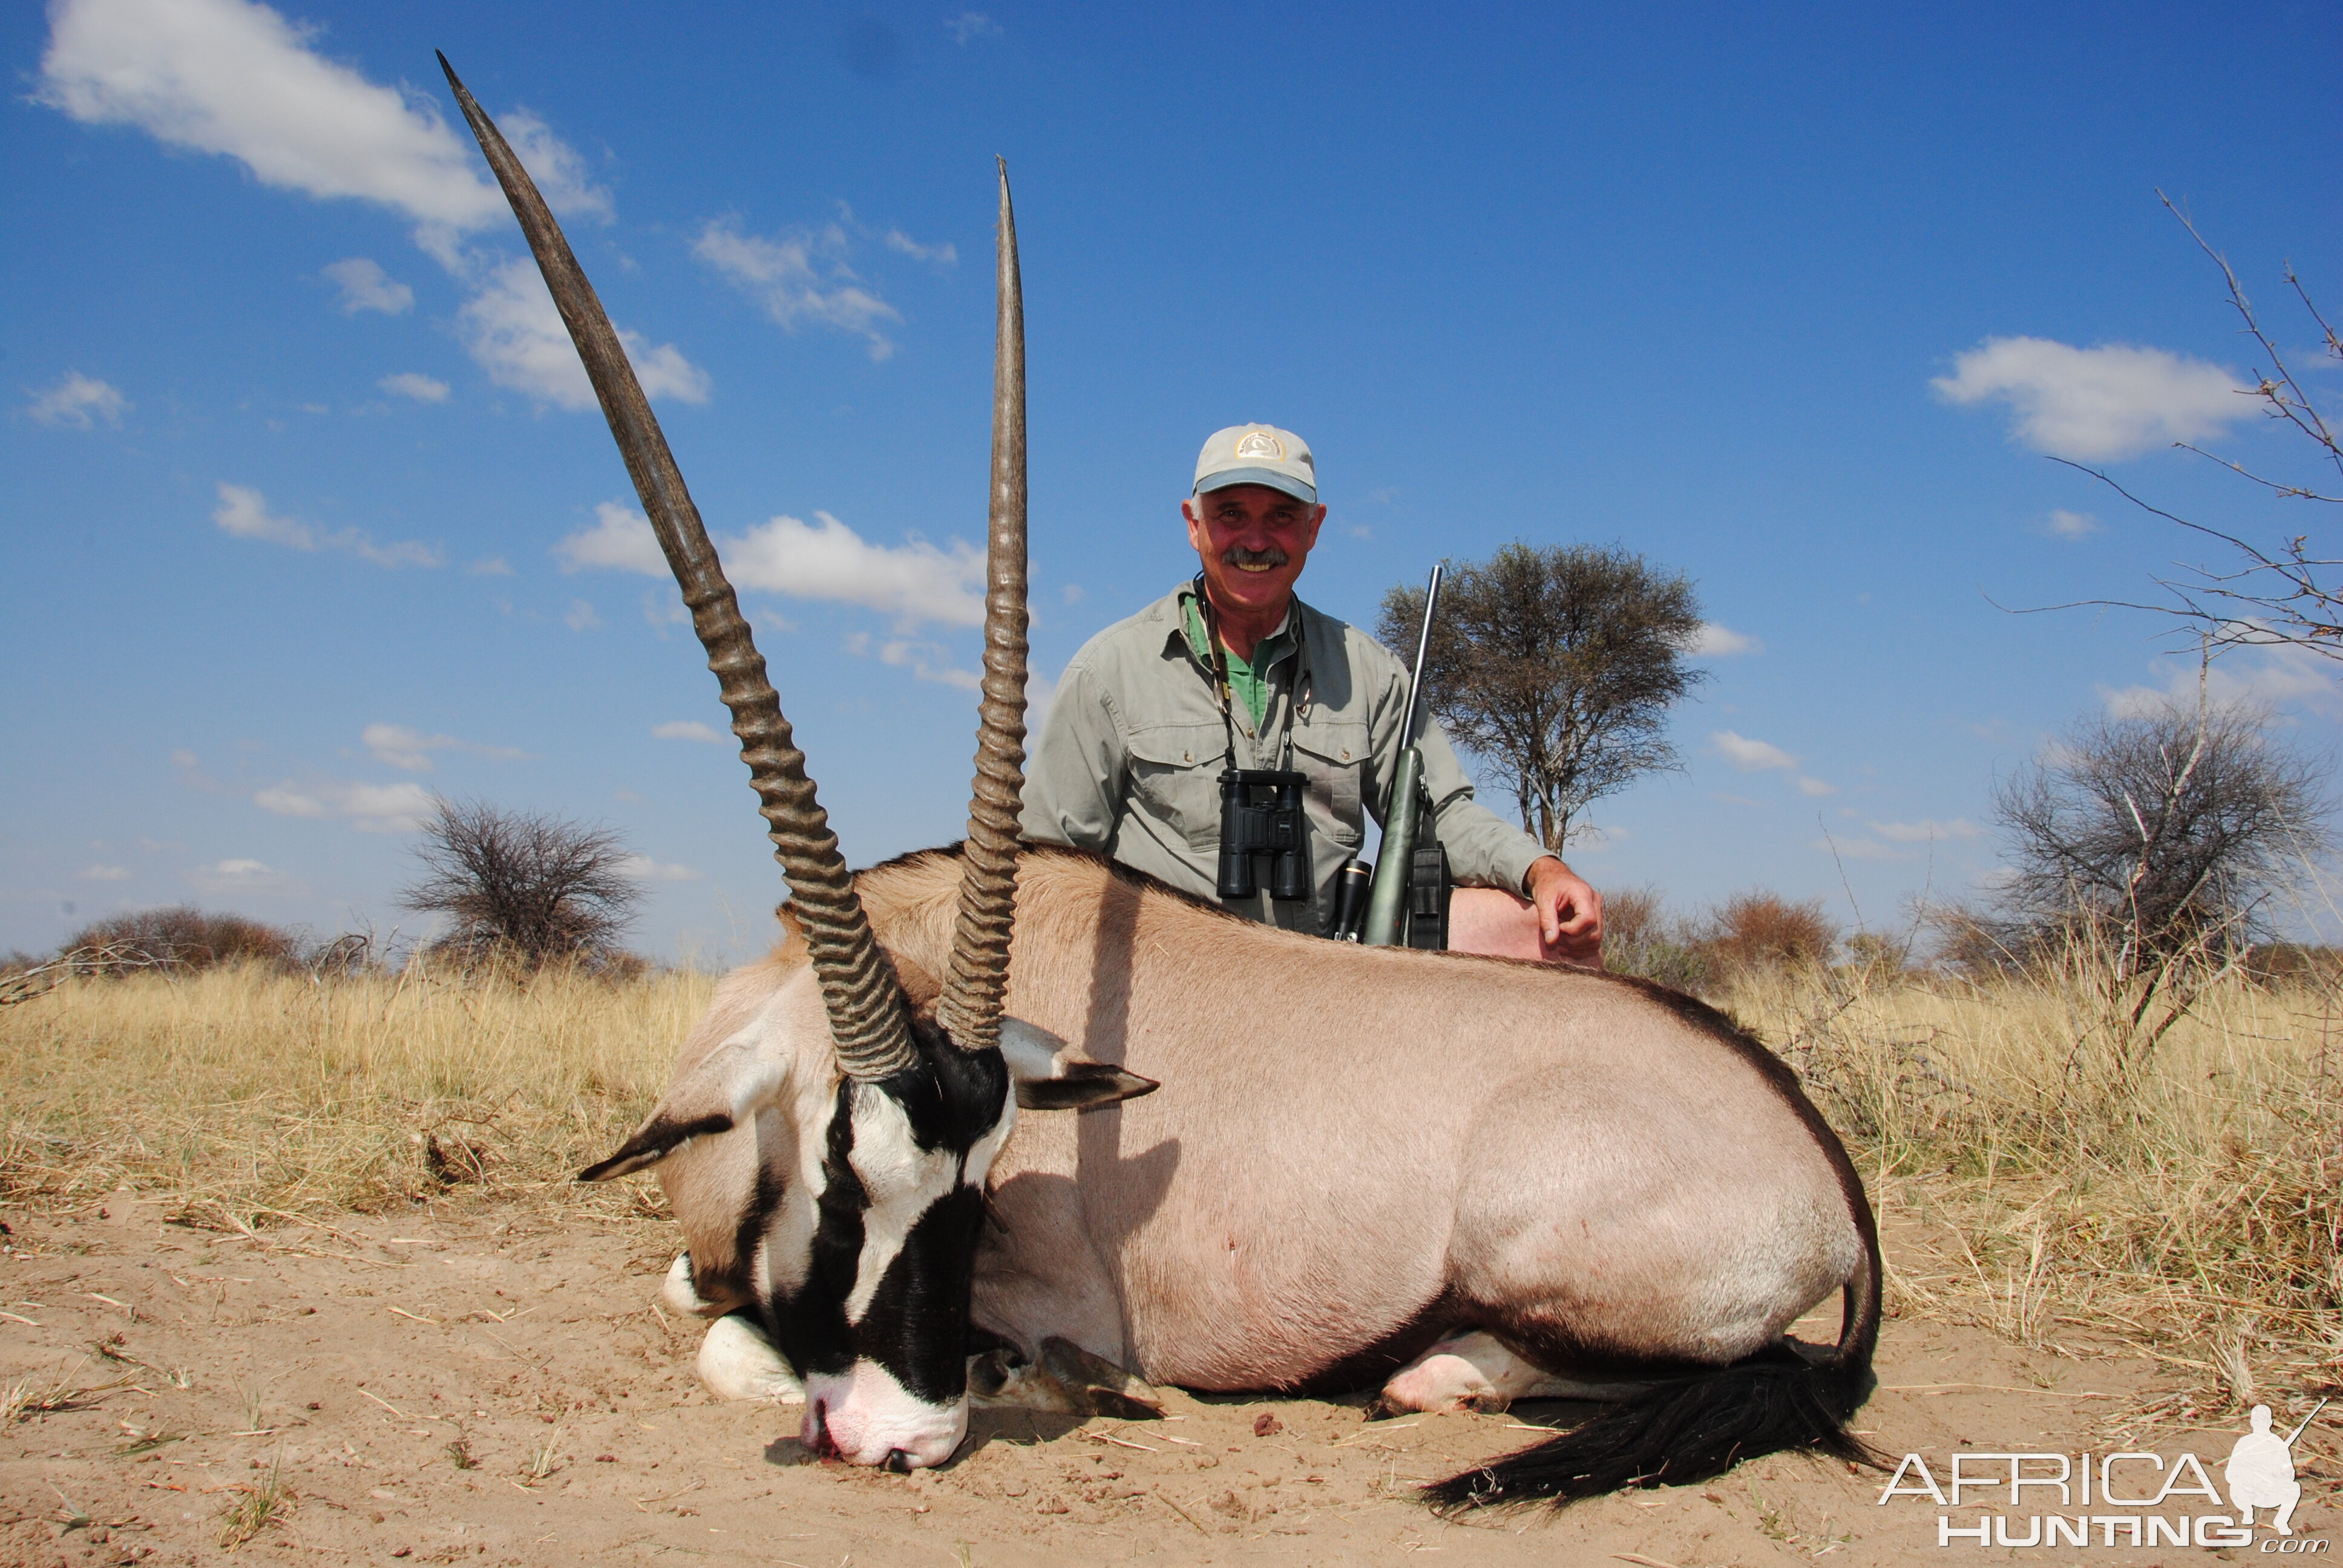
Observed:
{"x":1332,"y":755}
{"x":1175,"y":778}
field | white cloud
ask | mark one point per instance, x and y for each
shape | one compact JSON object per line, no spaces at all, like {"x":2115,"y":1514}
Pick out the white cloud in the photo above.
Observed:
{"x":366,"y":287}
{"x":105,"y":873}
{"x":369,"y":807}
{"x":971,"y":24}
{"x":580,"y":616}
{"x":422,"y":389}
{"x":913,"y":582}
{"x":556,"y":167}
{"x":2065,"y":525}
{"x":511,"y":329}
{"x":409,"y":748}
{"x":1926,"y":832}
{"x":1815,"y":787}
{"x":75,"y":399}
{"x":621,"y":537}
{"x":1750,"y":756}
{"x":2268,"y":677}
{"x":1714,"y":641}
{"x":944,"y":255}
{"x":689,"y":729}
{"x":240,"y":877}
{"x":489,"y":566}
{"x":233,"y":77}
{"x":2095,"y":405}
{"x":800,"y":276}
{"x":643,"y":869}
{"x":927,"y":661}
{"x":243,"y":512}
{"x":236,"y":79}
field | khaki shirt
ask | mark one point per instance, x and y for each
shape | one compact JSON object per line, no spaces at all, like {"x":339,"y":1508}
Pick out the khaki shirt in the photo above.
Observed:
{"x":1130,"y":758}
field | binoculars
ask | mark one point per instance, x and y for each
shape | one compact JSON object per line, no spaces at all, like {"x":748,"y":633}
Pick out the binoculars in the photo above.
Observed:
{"x":1260,"y":814}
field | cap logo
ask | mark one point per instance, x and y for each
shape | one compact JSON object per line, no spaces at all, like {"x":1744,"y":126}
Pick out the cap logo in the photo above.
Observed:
{"x":1262,"y":444}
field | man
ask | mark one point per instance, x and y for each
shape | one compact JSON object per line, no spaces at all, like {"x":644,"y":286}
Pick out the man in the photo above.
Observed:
{"x":1233,"y":667}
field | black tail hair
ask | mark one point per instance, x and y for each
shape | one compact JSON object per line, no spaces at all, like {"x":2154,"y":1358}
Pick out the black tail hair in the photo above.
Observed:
{"x":1701,"y":1427}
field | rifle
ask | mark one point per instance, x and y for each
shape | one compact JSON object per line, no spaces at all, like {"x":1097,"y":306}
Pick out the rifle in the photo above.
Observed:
{"x":1388,"y":904}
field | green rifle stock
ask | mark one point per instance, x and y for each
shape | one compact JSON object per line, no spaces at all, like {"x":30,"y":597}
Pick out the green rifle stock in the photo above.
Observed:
{"x":1387,"y":897}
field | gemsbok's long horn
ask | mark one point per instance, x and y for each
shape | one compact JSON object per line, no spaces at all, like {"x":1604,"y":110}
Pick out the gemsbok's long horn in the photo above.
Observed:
{"x":970,"y":1010}
{"x":868,"y":1021}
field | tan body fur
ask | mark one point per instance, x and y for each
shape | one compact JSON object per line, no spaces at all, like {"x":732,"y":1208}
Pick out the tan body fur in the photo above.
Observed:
{"x":1353,"y":1150}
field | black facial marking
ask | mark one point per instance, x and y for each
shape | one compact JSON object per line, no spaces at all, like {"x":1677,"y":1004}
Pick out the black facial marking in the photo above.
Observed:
{"x":916,"y":1325}
{"x":764,"y":1200}
{"x":921,"y":1305}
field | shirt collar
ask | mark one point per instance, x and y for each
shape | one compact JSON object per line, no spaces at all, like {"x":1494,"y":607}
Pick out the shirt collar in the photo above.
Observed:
{"x":1276,"y":646}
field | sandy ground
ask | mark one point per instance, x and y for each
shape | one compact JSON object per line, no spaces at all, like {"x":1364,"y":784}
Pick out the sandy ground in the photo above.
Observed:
{"x":498,"y":1387}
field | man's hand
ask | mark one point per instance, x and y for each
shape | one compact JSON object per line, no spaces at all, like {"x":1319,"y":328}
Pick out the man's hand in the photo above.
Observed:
{"x":1569,"y":913}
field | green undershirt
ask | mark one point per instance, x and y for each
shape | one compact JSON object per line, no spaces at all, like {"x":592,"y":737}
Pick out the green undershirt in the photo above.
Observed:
{"x":1248,"y":678}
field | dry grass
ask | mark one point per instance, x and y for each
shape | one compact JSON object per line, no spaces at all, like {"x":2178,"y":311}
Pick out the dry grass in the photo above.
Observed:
{"x":2184,"y":1199}
{"x":244,"y":1096}
{"x":259,"y":1505}
{"x":2181,"y":1198}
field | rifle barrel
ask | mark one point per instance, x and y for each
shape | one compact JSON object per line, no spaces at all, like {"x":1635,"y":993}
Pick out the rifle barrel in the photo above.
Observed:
{"x":1423,"y":652}
{"x":1386,"y":917}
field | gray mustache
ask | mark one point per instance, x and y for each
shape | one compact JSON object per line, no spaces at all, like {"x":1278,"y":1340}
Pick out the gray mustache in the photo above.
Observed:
{"x":1235,"y":556}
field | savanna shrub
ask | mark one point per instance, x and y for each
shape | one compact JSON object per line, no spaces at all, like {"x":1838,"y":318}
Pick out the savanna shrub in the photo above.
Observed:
{"x":1758,"y":929}
{"x":186,"y":936}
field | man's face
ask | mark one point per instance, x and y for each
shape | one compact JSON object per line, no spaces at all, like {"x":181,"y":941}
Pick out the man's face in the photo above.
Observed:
{"x":1254,"y":541}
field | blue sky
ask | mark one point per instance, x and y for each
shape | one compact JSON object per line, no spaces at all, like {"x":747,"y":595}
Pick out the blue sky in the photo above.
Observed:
{"x":308,"y":518}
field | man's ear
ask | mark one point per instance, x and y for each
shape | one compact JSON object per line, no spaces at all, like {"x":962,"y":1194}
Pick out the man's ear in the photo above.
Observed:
{"x":1192,"y":511}
{"x":1054,"y":1076}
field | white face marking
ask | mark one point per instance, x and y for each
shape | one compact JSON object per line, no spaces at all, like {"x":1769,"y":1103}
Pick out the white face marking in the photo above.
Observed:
{"x":785,"y":1250}
{"x":903,"y":1182}
{"x":868,"y":1415}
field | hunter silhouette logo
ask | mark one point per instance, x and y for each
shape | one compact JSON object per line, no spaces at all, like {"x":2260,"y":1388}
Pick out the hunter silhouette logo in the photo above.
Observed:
{"x":2260,"y":1470}
{"x":2132,"y":1498}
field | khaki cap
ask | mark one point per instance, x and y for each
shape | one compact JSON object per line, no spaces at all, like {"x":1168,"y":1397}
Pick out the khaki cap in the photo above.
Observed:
{"x":1257,"y":455}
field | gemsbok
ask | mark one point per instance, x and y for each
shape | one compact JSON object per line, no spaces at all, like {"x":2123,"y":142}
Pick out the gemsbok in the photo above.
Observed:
{"x":1459,"y":1179}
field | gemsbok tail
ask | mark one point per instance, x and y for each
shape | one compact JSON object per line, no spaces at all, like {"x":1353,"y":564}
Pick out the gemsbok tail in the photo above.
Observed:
{"x":1701,"y":1427}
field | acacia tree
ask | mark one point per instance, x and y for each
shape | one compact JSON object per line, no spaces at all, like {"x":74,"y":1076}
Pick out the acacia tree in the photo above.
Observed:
{"x":527,"y":886}
{"x":2174,"y":827}
{"x":2144,"y":851}
{"x":1555,"y":668}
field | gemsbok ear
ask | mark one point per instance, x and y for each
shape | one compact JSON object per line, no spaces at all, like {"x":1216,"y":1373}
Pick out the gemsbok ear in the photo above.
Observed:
{"x":1051,"y":1075}
{"x":726,"y":1087}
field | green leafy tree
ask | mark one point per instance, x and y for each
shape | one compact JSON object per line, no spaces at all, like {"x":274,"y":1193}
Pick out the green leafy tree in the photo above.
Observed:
{"x":1555,"y":669}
